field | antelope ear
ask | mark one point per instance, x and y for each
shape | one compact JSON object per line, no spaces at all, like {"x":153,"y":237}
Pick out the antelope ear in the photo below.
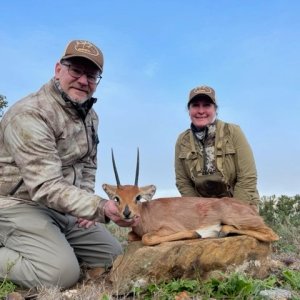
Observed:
{"x":147,"y":192}
{"x":110,"y":190}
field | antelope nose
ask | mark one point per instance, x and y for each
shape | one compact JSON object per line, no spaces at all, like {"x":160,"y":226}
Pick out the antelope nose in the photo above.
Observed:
{"x":126,"y":212}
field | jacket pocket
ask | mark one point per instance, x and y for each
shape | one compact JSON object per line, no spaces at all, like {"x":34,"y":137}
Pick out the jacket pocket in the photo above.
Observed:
{"x":212,"y":185}
{"x":188,"y":155}
{"x":226,"y":162}
{"x":229,"y":150}
{"x":191,"y":163}
{"x":8,"y":187}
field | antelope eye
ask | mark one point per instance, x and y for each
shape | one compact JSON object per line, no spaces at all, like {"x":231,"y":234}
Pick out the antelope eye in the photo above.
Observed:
{"x":117,"y":199}
{"x":138,"y":198}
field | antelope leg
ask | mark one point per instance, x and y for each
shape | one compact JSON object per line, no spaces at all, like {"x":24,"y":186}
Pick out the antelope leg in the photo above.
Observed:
{"x":150,"y":239}
{"x":262,"y":234}
{"x":132,"y":236}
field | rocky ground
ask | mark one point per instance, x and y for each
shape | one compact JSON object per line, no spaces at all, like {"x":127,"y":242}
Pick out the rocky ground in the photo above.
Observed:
{"x":101,"y":289}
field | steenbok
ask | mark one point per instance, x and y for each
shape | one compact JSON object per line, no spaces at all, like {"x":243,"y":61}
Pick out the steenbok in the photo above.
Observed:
{"x":178,"y":218}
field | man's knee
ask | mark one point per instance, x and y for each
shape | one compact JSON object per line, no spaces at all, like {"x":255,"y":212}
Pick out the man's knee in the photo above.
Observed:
{"x":103,"y":255}
{"x":63,"y":272}
{"x":117,"y":249}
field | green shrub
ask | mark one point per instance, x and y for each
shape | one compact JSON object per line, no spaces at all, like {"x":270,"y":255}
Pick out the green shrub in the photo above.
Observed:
{"x":3,"y":103}
{"x":280,"y":211}
{"x":283,"y":216}
{"x":6,"y":287}
{"x":292,"y":278}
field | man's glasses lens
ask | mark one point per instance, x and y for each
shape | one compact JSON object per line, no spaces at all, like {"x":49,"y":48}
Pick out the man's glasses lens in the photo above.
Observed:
{"x":77,"y":73}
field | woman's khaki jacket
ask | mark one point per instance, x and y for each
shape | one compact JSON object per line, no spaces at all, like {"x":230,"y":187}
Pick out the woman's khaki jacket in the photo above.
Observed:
{"x":233,"y":157}
{"x":48,"y":155}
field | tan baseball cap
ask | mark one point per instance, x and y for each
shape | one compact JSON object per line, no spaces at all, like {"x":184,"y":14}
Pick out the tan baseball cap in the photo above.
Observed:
{"x":81,"y":48}
{"x":203,"y":90}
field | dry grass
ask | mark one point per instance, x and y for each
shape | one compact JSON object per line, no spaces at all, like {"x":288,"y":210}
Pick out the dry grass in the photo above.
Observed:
{"x":85,"y":291}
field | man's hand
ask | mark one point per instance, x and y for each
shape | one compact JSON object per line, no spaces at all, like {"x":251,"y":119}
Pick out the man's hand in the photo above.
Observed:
{"x":85,"y":223}
{"x":111,"y":211}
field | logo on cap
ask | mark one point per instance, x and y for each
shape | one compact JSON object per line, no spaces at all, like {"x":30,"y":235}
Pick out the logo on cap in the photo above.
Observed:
{"x":86,"y":47}
{"x":202,"y":90}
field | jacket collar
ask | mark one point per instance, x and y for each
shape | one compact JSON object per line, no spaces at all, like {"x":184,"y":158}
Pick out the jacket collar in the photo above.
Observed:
{"x":82,"y":109}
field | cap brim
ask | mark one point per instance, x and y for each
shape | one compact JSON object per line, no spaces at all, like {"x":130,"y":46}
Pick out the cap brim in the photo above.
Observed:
{"x":82,"y":56}
{"x":203,"y":96}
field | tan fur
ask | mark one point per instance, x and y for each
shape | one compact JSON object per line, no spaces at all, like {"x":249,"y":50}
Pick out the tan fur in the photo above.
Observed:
{"x":177,"y":218}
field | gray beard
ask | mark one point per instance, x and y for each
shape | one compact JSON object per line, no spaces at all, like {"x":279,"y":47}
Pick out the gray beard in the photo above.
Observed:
{"x":80,"y":101}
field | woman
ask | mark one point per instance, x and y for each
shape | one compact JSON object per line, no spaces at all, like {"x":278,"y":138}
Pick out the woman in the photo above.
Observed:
{"x":213,"y":158}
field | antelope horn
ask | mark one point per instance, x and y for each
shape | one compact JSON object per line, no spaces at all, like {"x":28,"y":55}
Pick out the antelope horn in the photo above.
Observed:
{"x":137,"y":168}
{"x":115,"y":168}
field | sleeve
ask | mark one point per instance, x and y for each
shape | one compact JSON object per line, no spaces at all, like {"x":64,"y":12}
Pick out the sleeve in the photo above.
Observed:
{"x":32,"y":144}
{"x":246,"y":182}
{"x":184,"y":183}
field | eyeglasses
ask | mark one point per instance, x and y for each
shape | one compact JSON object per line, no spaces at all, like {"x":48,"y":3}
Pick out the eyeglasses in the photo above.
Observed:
{"x":77,"y":73}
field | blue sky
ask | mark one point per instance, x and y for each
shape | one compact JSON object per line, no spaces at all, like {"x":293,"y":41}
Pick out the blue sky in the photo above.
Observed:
{"x":155,"y":52}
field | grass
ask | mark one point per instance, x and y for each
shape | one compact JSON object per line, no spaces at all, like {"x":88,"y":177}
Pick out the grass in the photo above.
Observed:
{"x":282,"y":214}
{"x":6,"y":287}
{"x":232,"y":286}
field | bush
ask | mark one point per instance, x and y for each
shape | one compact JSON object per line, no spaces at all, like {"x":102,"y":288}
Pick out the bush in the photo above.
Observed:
{"x":283,"y":215}
{"x":3,"y":104}
{"x":280,"y":211}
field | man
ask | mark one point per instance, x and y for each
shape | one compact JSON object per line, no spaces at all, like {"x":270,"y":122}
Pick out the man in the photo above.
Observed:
{"x":49,"y":213}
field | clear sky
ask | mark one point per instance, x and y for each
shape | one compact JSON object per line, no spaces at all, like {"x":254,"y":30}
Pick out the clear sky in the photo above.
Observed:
{"x":155,"y":52}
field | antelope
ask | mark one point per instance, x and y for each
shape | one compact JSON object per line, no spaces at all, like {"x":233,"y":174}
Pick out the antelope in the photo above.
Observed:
{"x":178,"y":218}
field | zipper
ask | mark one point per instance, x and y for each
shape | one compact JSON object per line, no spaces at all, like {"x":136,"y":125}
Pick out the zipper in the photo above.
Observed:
{"x":74,"y":180}
{"x":204,"y":155}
